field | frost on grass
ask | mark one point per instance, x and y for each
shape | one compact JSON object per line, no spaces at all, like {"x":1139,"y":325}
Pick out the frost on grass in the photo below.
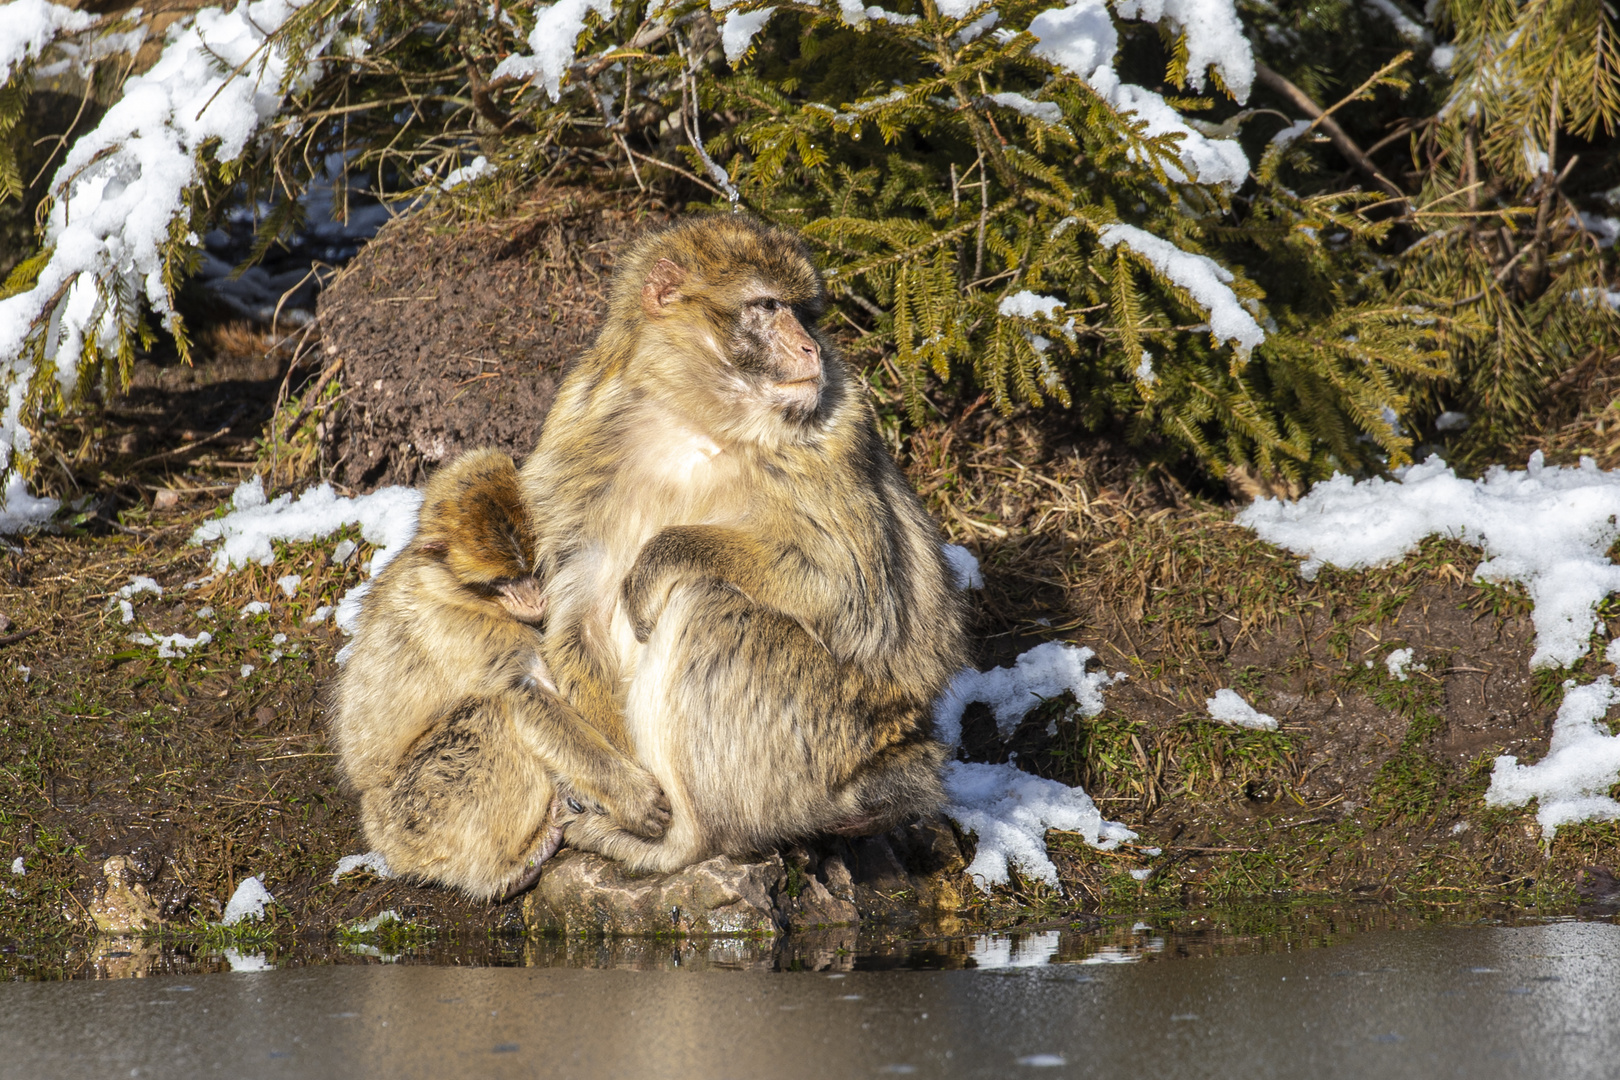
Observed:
{"x":1548,"y":529}
{"x":963,"y":566}
{"x":1008,"y":810}
{"x":371,"y":860}
{"x":1572,"y":782}
{"x":1204,"y":279}
{"x":123,"y":186}
{"x":1229,"y":708}
{"x":247,"y":902}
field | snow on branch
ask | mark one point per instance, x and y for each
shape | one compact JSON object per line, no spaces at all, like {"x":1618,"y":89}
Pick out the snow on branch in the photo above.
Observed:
{"x":29,"y":27}
{"x":1204,"y":279}
{"x":120,"y":200}
{"x":556,"y":32}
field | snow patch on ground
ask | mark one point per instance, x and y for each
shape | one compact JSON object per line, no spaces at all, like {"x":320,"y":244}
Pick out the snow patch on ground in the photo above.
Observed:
{"x":1010,"y":811}
{"x":19,"y":511}
{"x":1548,"y":529}
{"x":172,"y":646}
{"x":371,"y":860}
{"x":1041,"y":673}
{"x":247,"y":902}
{"x":1229,"y":708}
{"x":1572,"y":782}
{"x":386,"y":517}
{"x":964,"y":567}
{"x":1399,"y":661}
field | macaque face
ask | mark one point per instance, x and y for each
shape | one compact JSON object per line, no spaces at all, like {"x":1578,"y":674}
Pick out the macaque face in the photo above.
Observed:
{"x":770,"y":346}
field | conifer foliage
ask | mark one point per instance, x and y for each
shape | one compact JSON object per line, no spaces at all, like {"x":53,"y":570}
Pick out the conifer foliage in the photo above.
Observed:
{"x":1130,"y":210}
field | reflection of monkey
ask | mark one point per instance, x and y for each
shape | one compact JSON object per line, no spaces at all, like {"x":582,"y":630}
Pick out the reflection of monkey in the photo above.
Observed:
{"x":736,"y":570}
{"x":447,"y":722}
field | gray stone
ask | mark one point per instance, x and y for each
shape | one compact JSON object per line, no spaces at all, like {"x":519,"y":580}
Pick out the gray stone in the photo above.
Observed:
{"x":581,"y":893}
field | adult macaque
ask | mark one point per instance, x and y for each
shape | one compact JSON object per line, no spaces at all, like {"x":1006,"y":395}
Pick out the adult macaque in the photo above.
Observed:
{"x":466,"y":761}
{"x":736,"y":570}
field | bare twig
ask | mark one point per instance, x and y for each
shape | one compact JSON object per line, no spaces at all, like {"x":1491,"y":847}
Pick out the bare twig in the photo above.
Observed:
{"x":1323,"y":118}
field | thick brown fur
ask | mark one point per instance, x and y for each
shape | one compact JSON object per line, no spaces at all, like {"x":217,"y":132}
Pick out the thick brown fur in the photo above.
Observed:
{"x":736,"y":570}
{"x":447,"y":723}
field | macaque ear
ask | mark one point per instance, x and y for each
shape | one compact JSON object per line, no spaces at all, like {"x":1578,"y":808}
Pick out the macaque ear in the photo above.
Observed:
{"x":661,"y":285}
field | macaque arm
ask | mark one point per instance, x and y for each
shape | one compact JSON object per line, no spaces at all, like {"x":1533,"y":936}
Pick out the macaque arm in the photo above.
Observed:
{"x":685,"y":553}
{"x":595,"y":768}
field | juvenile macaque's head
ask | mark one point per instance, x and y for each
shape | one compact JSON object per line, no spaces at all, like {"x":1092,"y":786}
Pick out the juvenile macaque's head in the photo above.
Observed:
{"x":727,"y":310}
{"x":475,"y":523}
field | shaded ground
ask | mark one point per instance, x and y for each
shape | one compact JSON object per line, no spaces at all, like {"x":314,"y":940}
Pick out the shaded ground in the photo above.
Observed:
{"x":207,"y":773}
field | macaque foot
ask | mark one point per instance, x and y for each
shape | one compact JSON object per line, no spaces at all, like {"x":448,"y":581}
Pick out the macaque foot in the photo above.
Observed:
{"x":549,"y":843}
{"x":639,"y":805}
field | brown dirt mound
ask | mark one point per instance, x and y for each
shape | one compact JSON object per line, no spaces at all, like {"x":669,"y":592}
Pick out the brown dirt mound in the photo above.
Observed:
{"x":453,"y":334}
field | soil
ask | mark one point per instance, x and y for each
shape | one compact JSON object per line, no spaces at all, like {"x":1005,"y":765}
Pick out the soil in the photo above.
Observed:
{"x":206,"y":772}
{"x":453,"y":334}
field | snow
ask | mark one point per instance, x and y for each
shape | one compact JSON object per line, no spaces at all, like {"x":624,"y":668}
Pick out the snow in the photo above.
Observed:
{"x":1215,"y":38}
{"x":1288,"y":135}
{"x":1451,"y":421}
{"x":1041,"y":673}
{"x":139,"y":583}
{"x":1047,"y":112}
{"x":19,"y":511}
{"x":1398,"y":661}
{"x":247,"y":961}
{"x":1079,"y":38}
{"x":1144,"y":370}
{"x":172,"y":646}
{"x":1548,"y":529}
{"x":375,"y":923}
{"x":556,"y":30}
{"x":17,"y":867}
{"x":247,"y":902}
{"x":1029,"y":305}
{"x":247,"y":669}
{"x":466,"y":174}
{"x":1205,"y":280}
{"x":993,"y":951}
{"x":737,"y":32}
{"x":387,"y":520}
{"x":289,"y":583}
{"x":119,"y":190}
{"x":126,"y":612}
{"x":31,"y":25}
{"x":1572,"y":782}
{"x":371,"y":860}
{"x":256,"y":607}
{"x":1230,"y":708}
{"x":1409,"y":31}
{"x":1009,"y":812}
{"x":964,"y":567}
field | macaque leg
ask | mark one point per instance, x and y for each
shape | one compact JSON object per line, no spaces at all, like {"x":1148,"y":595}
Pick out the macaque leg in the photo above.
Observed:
{"x":598,"y":772}
{"x":470,"y":806}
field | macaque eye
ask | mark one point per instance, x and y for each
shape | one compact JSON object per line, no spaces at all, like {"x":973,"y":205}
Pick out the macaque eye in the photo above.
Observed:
{"x":769,"y":304}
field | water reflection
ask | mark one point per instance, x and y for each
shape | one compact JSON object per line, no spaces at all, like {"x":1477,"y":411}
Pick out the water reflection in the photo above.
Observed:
{"x":1168,"y":936}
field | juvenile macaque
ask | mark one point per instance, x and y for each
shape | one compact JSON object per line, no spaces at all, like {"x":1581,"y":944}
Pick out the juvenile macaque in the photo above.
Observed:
{"x":736,"y":570}
{"x":466,"y":761}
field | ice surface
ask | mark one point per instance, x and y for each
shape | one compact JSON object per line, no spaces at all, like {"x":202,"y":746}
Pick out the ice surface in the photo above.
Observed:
{"x":1572,"y":782}
{"x":1204,"y":279}
{"x":371,"y":860}
{"x":1229,"y":708}
{"x":963,"y":566}
{"x":1010,"y":811}
{"x":1043,"y":672}
{"x":247,"y":902}
{"x":1546,"y":528}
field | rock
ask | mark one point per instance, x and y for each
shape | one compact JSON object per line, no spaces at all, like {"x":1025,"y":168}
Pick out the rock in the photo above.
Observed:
{"x":581,"y":893}
{"x":121,"y":903}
